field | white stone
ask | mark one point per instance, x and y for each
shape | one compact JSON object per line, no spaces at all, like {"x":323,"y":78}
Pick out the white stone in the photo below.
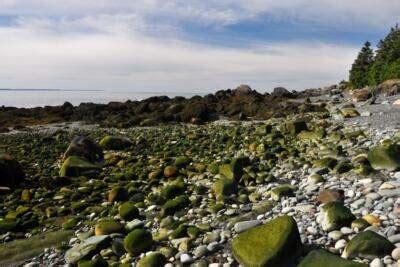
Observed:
{"x":340,"y":244}
{"x":243,"y":226}
{"x":396,"y":254}
{"x":186,"y":258}
{"x":377,"y":263}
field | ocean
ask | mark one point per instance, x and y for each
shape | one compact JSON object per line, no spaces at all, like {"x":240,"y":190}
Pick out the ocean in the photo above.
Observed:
{"x":29,"y":98}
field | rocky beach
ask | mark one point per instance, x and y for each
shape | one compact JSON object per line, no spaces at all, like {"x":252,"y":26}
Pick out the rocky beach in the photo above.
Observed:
{"x":235,"y":178}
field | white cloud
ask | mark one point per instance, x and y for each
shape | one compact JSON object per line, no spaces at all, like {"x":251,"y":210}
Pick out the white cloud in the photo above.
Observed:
{"x":43,"y":53}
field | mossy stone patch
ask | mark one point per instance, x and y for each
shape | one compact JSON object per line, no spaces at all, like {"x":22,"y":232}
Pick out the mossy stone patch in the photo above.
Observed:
{"x":174,"y":205}
{"x":275,"y":243}
{"x":7,"y":225}
{"x":153,"y":259}
{"x":282,"y":190}
{"x":322,"y":258}
{"x":182,"y":161}
{"x":138,"y":241}
{"x":115,"y":143}
{"x":223,"y":188}
{"x":369,"y":245}
{"x":75,"y":166}
{"x":107,"y":227}
{"x":334,"y":215}
{"x":326,"y":162}
{"x":128,"y":211}
{"x":385,"y":157}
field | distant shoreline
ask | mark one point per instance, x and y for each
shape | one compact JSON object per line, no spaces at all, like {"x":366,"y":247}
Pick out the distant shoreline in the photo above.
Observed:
{"x":51,"y":90}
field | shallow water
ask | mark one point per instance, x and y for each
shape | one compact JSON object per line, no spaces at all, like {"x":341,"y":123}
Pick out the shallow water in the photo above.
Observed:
{"x":39,"y":98}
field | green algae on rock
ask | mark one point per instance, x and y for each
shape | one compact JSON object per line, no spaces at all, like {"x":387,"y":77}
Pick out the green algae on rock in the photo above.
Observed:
{"x":322,"y":258}
{"x":110,"y":142}
{"x":128,"y":211}
{"x":275,"y":243}
{"x":223,"y":188}
{"x":174,"y":205}
{"x":385,"y":157}
{"x":368,"y":244}
{"x":138,"y":241}
{"x":75,"y":166}
{"x":153,"y":259}
{"x":334,"y":215}
{"x":281,"y":191}
{"x":107,"y":227}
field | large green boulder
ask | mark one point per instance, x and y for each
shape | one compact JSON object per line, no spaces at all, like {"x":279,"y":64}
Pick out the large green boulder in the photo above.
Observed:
{"x":86,"y":148}
{"x":322,"y":258}
{"x":110,"y":142}
{"x":11,"y":173}
{"x":334,"y":215}
{"x":276,"y":243}
{"x":74,"y":166}
{"x":369,"y":245}
{"x":153,"y":259}
{"x":138,"y":241}
{"x":385,"y":157}
{"x":224,"y":187}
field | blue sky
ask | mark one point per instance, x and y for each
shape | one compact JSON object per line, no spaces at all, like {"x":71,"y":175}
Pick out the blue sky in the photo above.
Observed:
{"x":185,"y":46}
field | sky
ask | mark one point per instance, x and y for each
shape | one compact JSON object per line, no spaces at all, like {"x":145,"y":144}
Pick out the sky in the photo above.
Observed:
{"x":185,"y":45}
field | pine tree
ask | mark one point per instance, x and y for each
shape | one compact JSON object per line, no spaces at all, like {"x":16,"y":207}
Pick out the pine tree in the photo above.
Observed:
{"x":361,"y":67}
{"x":387,"y":60}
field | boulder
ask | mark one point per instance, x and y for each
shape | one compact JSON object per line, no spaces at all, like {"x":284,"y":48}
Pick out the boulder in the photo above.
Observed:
{"x":138,"y":241}
{"x":75,"y":166}
{"x":174,"y":205}
{"x":84,"y":147}
{"x":153,"y":259}
{"x":170,"y":171}
{"x":86,"y":249}
{"x":281,"y":92}
{"x":369,"y":245}
{"x":349,"y":112}
{"x":223,"y":188}
{"x":334,"y":215}
{"x":115,"y":143}
{"x":326,"y":162}
{"x":276,"y":243}
{"x":389,"y":87}
{"x":359,"y":95}
{"x":182,"y":161}
{"x":330,"y":195}
{"x":385,"y":157}
{"x":7,"y":225}
{"x":318,"y":258}
{"x":283,"y":190}
{"x":107,"y":227}
{"x":118,"y":193}
{"x":295,"y":127}
{"x":11,"y":173}
{"x":234,"y":170}
{"x":128,"y":211}
{"x":242,"y":90}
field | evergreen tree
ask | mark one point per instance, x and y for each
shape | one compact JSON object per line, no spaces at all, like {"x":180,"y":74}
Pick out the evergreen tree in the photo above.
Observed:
{"x":361,"y":67}
{"x":387,"y":60}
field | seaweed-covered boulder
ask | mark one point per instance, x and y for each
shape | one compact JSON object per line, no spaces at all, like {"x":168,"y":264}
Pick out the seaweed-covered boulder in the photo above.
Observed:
{"x":107,"y":227}
{"x":326,"y":162}
{"x":334,"y":215}
{"x":153,"y":259}
{"x":349,"y":112}
{"x":75,"y":166}
{"x":138,"y":241}
{"x":7,"y":225}
{"x":234,"y":170}
{"x":295,"y":127}
{"x":182,"y":161}
{"x":128,"y":211}
{"x":86,"y":148}
{"x":281,"y":191}
{"x":11,"y":173}
{"x":318,"y":258}
{"x":276,"y":243}
{"x":224,"y":187}
{"x":173,"y":189}
{"x":87,"y":248}
{"x":110,"y":142}
{"x":369,"y":245}
{"x":385,"y":157}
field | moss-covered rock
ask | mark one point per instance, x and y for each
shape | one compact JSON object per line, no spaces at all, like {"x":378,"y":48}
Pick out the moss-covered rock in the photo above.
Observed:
{"x":170,"y":171}
{"x":326,"y":162}
{"x":173,"y":189}
{"x":128,"y":211}
{"x":174,"y":205}
{"x":85,"y":148}
{"x":334,"y":215}
{"x":75,"y":166}
{"x":182,"y":161}
{"x":385,"y":157}
{"x":369,"y":245}
{"x":138,"y":241}
{"x":11,"y":173}
{"x":295,"y":127}
{"x":322,"y":258}
{"x":118,"y":193}
{"x":86,"y":249}
{"x":360,"y":224}
{"x":71,"y":223}
{"x":349,"y":112}
{"x":281,"y":191}
{"x":95,"y":262}
{"x":7,"y":225}
{"x":107,"y":227}
{"x":223,"y":188}
{"x":234,"y":170}
{"x":154,"y":259}
{"x":115,"y":143}
{"x":276,"y":243}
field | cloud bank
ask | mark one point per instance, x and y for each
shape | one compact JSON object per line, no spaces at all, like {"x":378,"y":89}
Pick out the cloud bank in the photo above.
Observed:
{"x":141,"y":45}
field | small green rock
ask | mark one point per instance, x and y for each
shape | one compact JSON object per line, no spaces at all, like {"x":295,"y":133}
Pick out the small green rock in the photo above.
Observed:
{"x":138,"y":241}
{"x":118,"y":193}
{"x":174,"y":205}
{"x":153,"y":259}
{"x":182,"y":161}
{"x":322,"y":258}
{"x":326,"y":162}
{"x":7,"y":225}
{"x":334,"y":215}
{"x":223,"y":188}
{"x":128,"y":211}
{"x":385,"y":157}
{"x":115,"y":143}
{"x":369,"y":245}
{"x":282,"y":190}
{"x":108,"y":227}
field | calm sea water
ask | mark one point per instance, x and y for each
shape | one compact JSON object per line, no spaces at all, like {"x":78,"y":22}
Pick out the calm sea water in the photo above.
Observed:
{"x":39,"y":98}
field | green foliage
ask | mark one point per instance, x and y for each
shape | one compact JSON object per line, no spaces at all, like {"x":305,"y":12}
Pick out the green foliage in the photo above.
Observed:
{"x":370,"y":70}
{"x":361,"y":67}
